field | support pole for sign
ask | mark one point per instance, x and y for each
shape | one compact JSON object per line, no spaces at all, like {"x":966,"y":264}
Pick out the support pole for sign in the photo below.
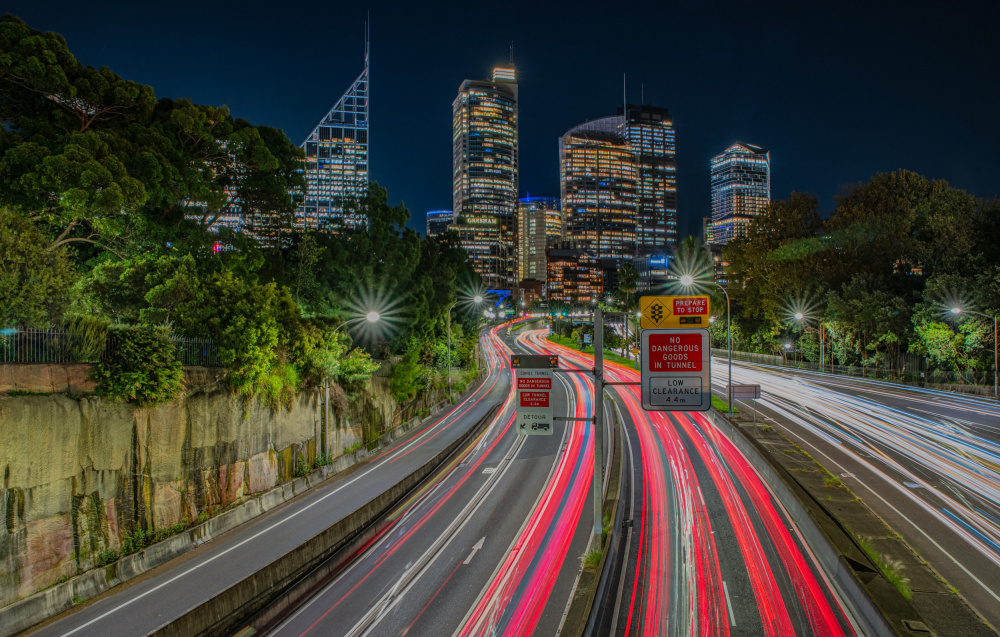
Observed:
{"x":598,"y":422}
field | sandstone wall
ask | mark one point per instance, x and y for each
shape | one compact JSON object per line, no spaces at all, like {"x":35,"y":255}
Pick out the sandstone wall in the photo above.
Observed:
{"x":81,"y":473}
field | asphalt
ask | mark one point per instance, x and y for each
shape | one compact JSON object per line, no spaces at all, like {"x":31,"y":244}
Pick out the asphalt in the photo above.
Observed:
{"x":180,"y":585}
{"x":926,"y":461}
{"x":684,"y":568}
{"x":445,"y":548}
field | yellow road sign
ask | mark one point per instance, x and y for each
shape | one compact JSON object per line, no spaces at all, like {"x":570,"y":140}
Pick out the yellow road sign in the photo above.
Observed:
{"x":657,"y":312}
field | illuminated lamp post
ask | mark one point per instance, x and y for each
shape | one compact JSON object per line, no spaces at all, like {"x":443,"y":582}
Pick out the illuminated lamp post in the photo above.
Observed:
{"x":688,"y":281}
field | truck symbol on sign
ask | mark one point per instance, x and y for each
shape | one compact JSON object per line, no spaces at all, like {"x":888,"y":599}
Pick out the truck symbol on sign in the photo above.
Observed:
{"x":540,"y":425}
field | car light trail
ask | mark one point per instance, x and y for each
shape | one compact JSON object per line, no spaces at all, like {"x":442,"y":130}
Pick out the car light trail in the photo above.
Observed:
{"x":677,"y":586}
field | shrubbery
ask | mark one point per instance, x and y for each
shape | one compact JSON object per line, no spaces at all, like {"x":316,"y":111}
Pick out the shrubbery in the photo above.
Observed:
{"x":139,"y":366}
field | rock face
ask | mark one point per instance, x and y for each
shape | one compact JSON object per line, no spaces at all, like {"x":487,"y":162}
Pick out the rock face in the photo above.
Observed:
{"x":81,"y":474}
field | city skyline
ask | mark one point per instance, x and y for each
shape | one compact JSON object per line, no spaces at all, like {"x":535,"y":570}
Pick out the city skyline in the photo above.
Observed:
{"x":821,"y":104}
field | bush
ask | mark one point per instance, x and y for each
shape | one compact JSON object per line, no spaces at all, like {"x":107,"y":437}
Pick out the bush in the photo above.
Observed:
{"x":88,"y":337}
{"x":139,"y":367}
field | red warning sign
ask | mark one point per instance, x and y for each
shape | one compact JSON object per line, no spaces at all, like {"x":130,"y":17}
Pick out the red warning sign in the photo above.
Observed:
{"x":534,"y":383}
{"x":691,"y":306}
{"x":534,"y":398}
{"x":674,"y":353}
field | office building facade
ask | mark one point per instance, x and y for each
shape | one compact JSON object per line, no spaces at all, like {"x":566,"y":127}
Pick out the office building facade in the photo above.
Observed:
{"x":438,"y":222}
{"x":485,"y":175}
{"x":650,"y":134}
{"x":539,"y":218}
{"x":741,"y":188}
{"x":598,"y":187}
{"x":573,"y":276}
{"x":336,"y":163}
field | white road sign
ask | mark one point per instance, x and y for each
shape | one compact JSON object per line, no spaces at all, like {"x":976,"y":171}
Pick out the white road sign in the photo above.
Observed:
{"x":534,"y":406}
{"x":676,"y":370}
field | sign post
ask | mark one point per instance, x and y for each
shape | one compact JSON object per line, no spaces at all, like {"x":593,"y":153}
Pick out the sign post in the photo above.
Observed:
{"x":676,"y":370}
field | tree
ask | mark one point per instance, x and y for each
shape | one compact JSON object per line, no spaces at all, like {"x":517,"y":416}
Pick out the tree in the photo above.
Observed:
{"x":780,"y":258}
{"x":628,"y":281}
{"x":98,"y":160}
{"x":35,"y":281}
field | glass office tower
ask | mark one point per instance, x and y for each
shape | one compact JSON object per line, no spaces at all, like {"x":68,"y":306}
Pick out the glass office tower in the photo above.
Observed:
{"x":741,"y":187}
{"x":485,"y":182}
{"x":438,"y":222}
{"x":336,"y":163}
{"x":598,"y":179}
{"x":650,"y":134}
{"x":538,"y":219}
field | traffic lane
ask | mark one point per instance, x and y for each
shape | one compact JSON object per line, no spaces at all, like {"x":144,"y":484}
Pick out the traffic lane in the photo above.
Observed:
{"x":176,"y":587}
{"x":445,"y":596}
{"x":925,"y":451}
{"x":531,"y":589}
{"x":920,"y":495}
{"x":687,"y":445}
{"x":884,"y":491}
{"x":381,"y":578}
{"x":979,"y":411}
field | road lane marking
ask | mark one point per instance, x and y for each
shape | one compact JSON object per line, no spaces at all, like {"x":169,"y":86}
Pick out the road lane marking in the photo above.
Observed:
{"x":475,"y":547}
{"x":729,"y":605}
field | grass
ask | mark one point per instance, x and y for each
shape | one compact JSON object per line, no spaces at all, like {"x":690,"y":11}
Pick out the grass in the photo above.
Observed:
{"x":592,"y":559}
{"x":352,"y":448}
{"x":722,"y":406}
{"x":27,"y":392}
{"x":565,"y":341}
{"x":891,"y":569}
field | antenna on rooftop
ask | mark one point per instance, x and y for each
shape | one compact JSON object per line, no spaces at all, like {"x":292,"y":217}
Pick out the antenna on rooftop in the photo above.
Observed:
{"x":512,"y":53}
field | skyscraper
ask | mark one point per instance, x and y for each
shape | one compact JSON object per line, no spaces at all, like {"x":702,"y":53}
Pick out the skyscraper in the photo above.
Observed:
{"x":336,"y":164}
{"x":438,"y":222}
{"x":538,"y":219}
{"x":741,"y":187}
{"x":650,"y":134}
{"x":484,"y":176}
{"x":598,"y":176}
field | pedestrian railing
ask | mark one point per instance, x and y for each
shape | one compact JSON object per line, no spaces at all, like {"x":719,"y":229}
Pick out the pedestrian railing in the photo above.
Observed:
{"x":58,"y":345}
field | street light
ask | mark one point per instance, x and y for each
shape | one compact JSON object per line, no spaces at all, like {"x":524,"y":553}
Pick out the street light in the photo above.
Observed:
{"x":477,"y":300}
{"x":801,"y":316}
{"x":996,"y":372}
{"x":371,"y":317}
{"x":688,"y":281}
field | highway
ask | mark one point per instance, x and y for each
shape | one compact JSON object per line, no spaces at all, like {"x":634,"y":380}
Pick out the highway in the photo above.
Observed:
{"x":142,"y":605}
{"x":927,"y":461}
{"x":491,"y":547}
{"x":710,"y":551}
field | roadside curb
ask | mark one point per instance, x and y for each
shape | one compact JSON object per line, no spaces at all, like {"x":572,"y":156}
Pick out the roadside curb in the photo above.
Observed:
{"x":46,"y":604}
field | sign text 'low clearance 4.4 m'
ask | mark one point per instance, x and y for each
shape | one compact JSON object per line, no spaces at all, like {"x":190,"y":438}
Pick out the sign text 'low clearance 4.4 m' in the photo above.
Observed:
{"x":676,"y":370}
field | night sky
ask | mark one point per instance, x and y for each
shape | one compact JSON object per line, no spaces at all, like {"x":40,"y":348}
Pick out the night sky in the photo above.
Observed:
{"x":837,"y":91}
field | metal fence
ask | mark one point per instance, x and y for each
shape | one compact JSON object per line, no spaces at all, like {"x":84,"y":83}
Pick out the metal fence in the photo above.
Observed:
{"x":937,"y":376}
{"x":57,"y":345}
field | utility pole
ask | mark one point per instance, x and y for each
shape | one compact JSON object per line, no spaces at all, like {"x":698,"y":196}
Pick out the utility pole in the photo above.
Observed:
{"x":598,"y":424}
